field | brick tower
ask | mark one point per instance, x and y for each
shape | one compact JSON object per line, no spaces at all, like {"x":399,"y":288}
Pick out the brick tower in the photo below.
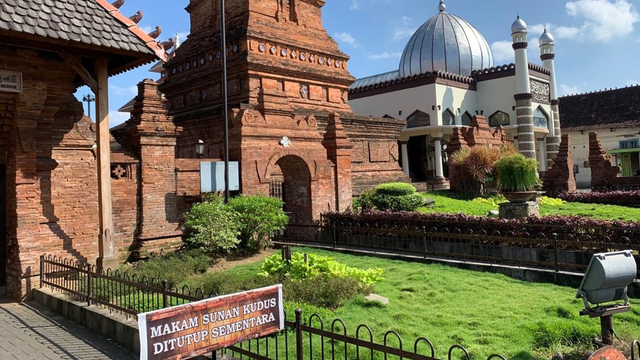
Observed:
{"x":288,"y":90}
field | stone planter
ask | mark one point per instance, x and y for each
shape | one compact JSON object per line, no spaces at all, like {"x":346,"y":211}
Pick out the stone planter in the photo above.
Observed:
{"x":520,"y":196}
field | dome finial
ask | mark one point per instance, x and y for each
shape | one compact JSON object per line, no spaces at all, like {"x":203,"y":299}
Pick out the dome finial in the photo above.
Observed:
{"x":442,"y":7}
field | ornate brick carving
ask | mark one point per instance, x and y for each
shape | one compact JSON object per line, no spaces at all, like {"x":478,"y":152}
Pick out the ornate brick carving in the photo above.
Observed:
{"x":540,"y":91}
{"x":560,"y":177}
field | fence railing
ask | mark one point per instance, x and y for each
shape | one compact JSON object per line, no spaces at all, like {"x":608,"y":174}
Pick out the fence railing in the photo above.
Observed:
{"x":537,"y":250}
{"x":115,"y":290}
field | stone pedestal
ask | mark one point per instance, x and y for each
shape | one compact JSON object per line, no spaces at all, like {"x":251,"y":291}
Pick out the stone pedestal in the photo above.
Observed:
{"x":511,"y":210}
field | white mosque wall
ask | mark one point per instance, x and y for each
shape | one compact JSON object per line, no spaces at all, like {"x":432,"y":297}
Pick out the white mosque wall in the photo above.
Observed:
{"x":454,"y":98}
{"x":497,"y":95}
{"x":392,"y":103}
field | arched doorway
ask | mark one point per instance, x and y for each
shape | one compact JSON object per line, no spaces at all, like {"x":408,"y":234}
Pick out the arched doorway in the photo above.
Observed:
{"x":291,"y":182}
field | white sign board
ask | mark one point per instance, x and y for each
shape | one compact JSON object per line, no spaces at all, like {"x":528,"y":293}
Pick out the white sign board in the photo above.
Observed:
{"x":10,"y":81}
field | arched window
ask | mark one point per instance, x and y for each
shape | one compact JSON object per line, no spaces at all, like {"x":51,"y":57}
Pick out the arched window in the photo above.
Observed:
{"x":418,"y":119}
{"x":448,"y":118}
{"x":540,"y":119}
{"x":499,"y":118}
{"x":466,"y":118}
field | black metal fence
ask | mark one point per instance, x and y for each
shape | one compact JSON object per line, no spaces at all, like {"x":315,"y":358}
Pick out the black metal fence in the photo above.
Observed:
{"x":115,"y":290}
{"x":131,"y":295}
{"x":541,"y":250}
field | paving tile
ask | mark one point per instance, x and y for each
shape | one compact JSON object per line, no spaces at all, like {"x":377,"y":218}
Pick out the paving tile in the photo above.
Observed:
{"x":28,"y":331}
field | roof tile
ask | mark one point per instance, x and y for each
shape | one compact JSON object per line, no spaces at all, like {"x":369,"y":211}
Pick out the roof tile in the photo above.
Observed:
{"x":93,"y":22}
{"x":601,"y":110}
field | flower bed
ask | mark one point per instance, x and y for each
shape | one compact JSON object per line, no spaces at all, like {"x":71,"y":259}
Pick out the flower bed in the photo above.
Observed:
{"x":626,"y":198}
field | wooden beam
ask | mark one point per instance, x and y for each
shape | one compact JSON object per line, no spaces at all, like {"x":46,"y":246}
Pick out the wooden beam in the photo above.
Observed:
{"x":75,"y":63}
{"x":106,"y":253}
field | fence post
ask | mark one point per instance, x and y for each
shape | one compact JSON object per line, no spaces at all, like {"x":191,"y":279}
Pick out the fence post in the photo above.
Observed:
{"x":299,"y":347}
{"x":424,"y":240}
{"x":41,"y":270}
{"x":164,"y":293}
{"x":335,"y":235}
{"x":89,"y":284}
{"x":555,"y":251}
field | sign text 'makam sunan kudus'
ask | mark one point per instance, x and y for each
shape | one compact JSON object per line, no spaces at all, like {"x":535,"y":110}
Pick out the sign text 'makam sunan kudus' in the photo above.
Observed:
{"x":197,"y":328}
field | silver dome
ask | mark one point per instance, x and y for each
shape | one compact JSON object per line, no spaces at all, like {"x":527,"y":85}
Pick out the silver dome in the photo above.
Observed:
{"x":447,"y":43}
{"x":518,"y":26}
{"x":546,"y":38}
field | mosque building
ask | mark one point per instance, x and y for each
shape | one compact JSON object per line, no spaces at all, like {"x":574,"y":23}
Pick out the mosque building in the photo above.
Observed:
{"x":447,"y":82}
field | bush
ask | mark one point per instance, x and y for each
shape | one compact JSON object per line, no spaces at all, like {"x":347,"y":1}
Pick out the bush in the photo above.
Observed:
{"x":627,"y":198}
{"x":212,"y":227}
{"x":395,"y":197}
{"x":395,"y":189}
{"x":298,"y":269}
{"x":326,"y":291}
{"x":174,"y":267}
{"x":363,"y":201}
{"x":259,"y":218}
{"x":516,"y":173}
{"x":473,"y":167}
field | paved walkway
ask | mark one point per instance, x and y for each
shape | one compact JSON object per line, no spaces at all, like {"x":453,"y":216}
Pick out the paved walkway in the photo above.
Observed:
{"x":28,"y":331}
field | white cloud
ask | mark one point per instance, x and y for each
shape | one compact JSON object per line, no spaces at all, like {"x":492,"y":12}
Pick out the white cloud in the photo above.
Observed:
{"x":502,"y":51}
{"x":346,"y":38}
{"x":116,"y":118}
{"x":123,"y":91}
{"x":405,"y":30}
{"x":566,"y":32}
{"x":385,"y":56}
{"x":604,"y":19}
{"x":354,"y":5}
{"x":569,"y":90}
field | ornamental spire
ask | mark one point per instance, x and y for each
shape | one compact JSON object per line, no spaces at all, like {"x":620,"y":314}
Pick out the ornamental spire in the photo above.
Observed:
{"x":442,"y":7}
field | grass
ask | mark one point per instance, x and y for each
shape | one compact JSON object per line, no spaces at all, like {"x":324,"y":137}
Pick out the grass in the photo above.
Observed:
{"x":449,"y":202}
{"x":486,"y":313}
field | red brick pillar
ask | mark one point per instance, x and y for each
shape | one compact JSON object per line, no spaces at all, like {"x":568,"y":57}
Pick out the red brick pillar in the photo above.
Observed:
{"x":23,"y":200}
{"x":152,"y":134}
{"x":339,"y":151}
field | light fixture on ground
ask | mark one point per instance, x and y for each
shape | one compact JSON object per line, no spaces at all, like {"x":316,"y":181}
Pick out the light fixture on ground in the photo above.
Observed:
{"x":199,"y":148}
{"x":606,"y":281}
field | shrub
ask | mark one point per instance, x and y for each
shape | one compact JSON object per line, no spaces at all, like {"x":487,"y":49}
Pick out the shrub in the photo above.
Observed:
{"x":548,"y":201}
{"x":473,"y":167}
{"x":212,"y":227}
{"x":395,"y":189}
{"x":363,"y":201}
{"x":298,"y":269}
{"x":516,"y":173}
{"x":259,"y":217}
{"x":174,"y":267}
{"x":326,"y":291}
{"x":628,"y":198}
{"x":396,"y":197}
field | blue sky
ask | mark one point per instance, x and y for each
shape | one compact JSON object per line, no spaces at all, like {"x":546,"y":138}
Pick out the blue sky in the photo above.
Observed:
{"x":597,"y":41}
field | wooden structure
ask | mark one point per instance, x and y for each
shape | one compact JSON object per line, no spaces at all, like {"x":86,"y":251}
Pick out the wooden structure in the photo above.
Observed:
{"x":49,"y":168}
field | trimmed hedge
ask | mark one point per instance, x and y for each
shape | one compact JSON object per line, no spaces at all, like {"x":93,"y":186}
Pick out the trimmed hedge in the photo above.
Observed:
{"x":625,"y":198}
{"x":572,"y":228}
{"x":395,"y":189}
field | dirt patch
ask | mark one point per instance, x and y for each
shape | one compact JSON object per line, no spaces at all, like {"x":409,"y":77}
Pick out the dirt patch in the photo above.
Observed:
{"x":225,"y":264}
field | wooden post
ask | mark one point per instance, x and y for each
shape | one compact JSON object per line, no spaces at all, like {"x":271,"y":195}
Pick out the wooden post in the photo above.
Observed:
{"x":106,"y":249}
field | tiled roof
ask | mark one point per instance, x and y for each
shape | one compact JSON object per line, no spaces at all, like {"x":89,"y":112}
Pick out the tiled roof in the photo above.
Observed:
{"x":619,"y":108}
{"x":90,"y":22}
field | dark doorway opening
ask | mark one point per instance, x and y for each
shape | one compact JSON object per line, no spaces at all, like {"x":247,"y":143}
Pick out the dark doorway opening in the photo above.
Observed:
{"x":3,"y":225}
{"x":296,"y":188}
{"x":417,"y":148}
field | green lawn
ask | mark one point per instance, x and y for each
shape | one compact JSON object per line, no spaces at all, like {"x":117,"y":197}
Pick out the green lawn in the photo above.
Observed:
{"x":487,"y":313}
{"x":449,"y":202}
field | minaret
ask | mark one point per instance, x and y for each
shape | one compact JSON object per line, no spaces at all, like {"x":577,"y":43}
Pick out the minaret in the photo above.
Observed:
{"x":524,"y":111}
{"x":547,"y":55}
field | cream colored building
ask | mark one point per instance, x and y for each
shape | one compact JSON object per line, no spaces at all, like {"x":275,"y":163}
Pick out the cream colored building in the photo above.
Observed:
{"x":615,"y":115}
{"x":446,"y":76}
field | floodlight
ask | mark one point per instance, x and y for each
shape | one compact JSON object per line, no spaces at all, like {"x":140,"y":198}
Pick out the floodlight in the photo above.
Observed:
{"x":606,"y":281}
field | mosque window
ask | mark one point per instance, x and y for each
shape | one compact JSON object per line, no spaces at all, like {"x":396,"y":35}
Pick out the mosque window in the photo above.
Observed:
{"x":540,"y":119}
{"x":499,"y":118}
{"x":448,"y":118}
{"x":466,"y":119}
{"x":418,"y":119}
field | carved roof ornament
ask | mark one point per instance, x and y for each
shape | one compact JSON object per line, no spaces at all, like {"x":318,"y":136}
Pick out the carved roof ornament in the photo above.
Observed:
{"x":118,"y":4}
{"x":136,"y":17}
{"x":155,"y":33}
{"x":169,"y":44}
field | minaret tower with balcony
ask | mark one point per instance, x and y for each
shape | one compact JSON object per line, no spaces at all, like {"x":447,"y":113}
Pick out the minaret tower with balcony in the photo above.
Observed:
{"x":547,"y":55}
{"x":523,"y":96}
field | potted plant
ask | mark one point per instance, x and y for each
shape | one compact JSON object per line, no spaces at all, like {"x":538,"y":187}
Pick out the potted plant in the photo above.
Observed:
{"x":517,"y":177}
